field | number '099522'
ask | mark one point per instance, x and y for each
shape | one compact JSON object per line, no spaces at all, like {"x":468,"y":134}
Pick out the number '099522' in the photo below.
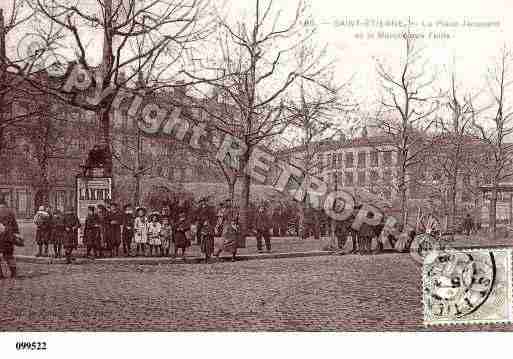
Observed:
{"x":30,"y":345}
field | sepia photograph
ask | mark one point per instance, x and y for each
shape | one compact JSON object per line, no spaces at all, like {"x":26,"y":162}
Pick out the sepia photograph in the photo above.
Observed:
{"x":211,"y":171}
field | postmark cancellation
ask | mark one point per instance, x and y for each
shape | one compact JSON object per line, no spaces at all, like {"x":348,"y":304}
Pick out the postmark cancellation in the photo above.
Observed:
{"x":467,"y":286}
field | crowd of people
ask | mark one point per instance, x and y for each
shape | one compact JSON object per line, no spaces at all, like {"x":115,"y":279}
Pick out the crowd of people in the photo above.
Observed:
{"x":111,"y":231}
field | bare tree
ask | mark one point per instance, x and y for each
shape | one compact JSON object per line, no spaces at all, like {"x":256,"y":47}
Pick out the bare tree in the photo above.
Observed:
{"x":495,"y":128}
{"x":407,"y":114}
{"x":316,"y":108}
{"x":153,"y":37}
{"x":11,"y":86}
{"x":454,"y":152}
{"x":256,"y":72}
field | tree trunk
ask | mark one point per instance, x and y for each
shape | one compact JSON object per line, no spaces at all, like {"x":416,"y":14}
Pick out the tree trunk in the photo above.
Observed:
{"x":452,"y":205}
{"x":493,"y":212}
{"x":301,"y":220}
{"x":137,"y":192}
{"x":43,"y":192}
{"x":244,"y":207}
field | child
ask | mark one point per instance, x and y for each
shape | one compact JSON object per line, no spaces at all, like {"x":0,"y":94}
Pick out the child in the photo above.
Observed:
{"x":154,"y":228}
{"x":58,"y":233}
{"x":207,"y":240}
{"x":71,"y":225}
{"x":42,"y":221}
{"x":181,"y":241}
{"x":128,"y":229}
{"x":166,"y":235}
{"x":230,"y":239}
{"x":91,"y":231}
{"x":141,"y":230}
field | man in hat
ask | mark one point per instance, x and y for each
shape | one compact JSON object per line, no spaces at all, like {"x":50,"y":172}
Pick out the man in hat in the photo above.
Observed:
{"x":8,"y":230}
{"x":263,"y":228}
{"x":114,"y":233}
{"x":71,"y":225}
{"x":42,"y":221}
{"x":128,"y":228}
{"x":205,"y":213}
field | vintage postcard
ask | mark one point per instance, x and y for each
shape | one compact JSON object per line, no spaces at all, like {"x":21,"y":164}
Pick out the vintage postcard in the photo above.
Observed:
{"x":255,"y":166}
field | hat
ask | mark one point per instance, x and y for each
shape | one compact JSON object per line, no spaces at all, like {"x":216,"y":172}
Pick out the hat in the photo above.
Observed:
{"x":41,"y":208}
{"x":141,"y":209}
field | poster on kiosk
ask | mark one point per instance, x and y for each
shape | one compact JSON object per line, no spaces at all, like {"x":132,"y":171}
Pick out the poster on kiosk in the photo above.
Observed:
{"x":91,"y":192}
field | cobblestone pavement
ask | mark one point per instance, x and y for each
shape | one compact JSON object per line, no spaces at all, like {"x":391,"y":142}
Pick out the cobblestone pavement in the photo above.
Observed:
{"x":348,"y":292}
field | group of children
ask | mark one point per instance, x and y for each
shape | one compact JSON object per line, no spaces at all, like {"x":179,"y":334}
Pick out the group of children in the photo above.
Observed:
{"x":155,"y":234}
{"x":58,"y":229}
{"x":165,"y":233}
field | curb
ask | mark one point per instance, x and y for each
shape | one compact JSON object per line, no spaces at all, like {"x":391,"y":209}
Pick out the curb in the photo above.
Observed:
{"x":198,"y":259}
{"x":160,"y":260}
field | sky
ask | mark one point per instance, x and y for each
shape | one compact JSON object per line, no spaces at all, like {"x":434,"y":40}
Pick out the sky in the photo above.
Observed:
{"x":467,"y":50}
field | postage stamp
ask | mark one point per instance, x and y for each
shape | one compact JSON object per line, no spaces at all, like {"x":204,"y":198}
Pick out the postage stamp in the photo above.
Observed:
{"x":467,"y":286}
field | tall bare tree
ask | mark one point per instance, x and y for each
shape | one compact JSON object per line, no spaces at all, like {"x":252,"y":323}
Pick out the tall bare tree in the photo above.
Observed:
{"x":316,"y":107}
{"x":154,"y":37}
{"x":255,"y":57}
{"x":11,"y":86}
{"x":408,"y":109}
{"x":495,"y":128}
{"x":454,"y":153}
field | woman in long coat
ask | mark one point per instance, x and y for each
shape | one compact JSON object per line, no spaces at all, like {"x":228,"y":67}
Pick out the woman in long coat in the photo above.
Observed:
{"x":141,"y":230}
{"x":58,"y":233}
{"x":71,"y":225}
{"x":207,"y":239}
{"x":231,"y":235}
{"x":103,"y":217}
{"x":180,"y":239}
{"x":91,"y":232}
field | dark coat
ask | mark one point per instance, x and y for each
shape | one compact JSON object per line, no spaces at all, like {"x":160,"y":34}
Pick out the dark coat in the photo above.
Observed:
{"x":127,"y":221}
{"x":71,"y":225}
{"x":7,"y":238}
{"x":207,"y":240}
{"x":180,"y":239}
{"x":92,"y":230}
{"x":58,"y":229}
{"x":262,"y":221}
{"x":115,"y":220}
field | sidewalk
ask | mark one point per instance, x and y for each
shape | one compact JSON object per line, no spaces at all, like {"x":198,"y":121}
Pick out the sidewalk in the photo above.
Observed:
{"x":282,"y":247}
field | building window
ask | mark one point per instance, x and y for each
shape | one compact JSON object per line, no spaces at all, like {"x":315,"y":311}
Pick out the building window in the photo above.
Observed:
{"x":349,"y":160}
{"x":387,"y":176}
{"x":328,"y":161}
{"x":374,"y":159}
{"x":361,"y":178}
{"x":320,"y":158}
{"x":374,"y":177}
{"x":349,"y":179}
{"x":387,"y":158}
{"x":340,"y":160}
{"x":334,"y":160}
{"x":361,"y":159}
